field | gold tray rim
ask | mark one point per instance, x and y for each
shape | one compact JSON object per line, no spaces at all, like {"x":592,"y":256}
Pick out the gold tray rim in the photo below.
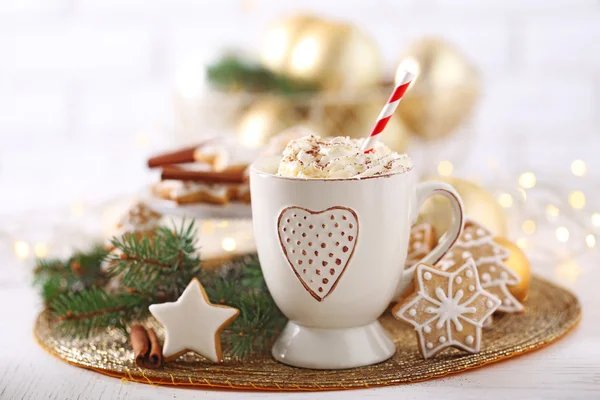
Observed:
{"x":138,"y":375}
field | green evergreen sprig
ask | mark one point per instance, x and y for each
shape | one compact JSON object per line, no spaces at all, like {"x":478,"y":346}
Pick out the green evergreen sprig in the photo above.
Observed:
{"x":259,"y":322}
{"x":145,"y":271}
{"x":162,"y":265}
{"x":79,"y":272}
{"x":232,"y":73}
{"x":80,"y":314}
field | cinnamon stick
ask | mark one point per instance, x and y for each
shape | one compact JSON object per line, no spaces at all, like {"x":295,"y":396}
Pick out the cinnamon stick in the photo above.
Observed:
{"x":181,"y":156}
{"x":146,"y":347}
{"x":155,"y":355}
{"x":228,"y":175}
{"x":138,"y":337}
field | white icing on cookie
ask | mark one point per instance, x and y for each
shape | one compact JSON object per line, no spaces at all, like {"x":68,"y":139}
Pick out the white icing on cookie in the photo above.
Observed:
{"x":450,"y":308}
{"x":490,"y":262}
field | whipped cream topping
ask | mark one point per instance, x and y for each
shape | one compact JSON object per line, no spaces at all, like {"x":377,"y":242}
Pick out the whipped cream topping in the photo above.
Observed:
{"x":339,"y":157}
{"x":278,"y":143}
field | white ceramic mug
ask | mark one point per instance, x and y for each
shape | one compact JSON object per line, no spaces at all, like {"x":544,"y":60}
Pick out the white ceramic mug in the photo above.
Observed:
{"x":332,"y":252}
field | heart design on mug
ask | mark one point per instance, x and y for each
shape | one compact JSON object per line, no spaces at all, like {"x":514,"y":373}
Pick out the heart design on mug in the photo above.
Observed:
{"x":318,"y":245}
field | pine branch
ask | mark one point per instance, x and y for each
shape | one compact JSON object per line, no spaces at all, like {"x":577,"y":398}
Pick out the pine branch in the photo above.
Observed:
{"x":80,"y":271}
{"x":51,"y":266}
{"x":150,"y":271}
{"x":84,"y":312}
{"x":259,"y":322}
{"x":156,"y":270}
{"x":232,"y":73}
{"x":166,"y":262}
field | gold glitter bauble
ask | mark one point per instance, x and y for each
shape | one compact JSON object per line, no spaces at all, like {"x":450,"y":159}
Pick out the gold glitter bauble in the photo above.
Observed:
{"x":444,"y":91}
{"x":332,"y":54}
{"x":479,"y":204}
{"x":265,"y":118}
{"x":519,"y":264}
{"x":357,"y":121}
{"x":551,"y":313}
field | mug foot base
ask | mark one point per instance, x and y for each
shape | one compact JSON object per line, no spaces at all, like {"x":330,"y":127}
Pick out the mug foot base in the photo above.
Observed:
{"x":318,"y":348}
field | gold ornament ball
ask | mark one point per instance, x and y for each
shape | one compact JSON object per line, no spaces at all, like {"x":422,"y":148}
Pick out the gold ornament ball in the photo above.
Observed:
{"x":332,"y":54}
{"x":519,"y":264}
{"x":444,"y":91}
{"x":478,"y":203}
{"x":265,"y":118}
{"x":356,"y":121}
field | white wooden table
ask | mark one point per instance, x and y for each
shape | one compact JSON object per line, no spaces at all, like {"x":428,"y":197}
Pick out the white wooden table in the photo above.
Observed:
{"x":569,"y":368}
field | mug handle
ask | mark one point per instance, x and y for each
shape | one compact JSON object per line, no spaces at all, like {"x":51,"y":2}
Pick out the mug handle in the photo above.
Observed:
{"x":424,"y":191}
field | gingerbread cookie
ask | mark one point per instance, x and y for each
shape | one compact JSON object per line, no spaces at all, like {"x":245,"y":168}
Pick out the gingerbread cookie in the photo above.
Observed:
{"x":447,"y":309}
{"x":187,"y":192}
{"x":139,"y":220}
{"x":214,"y":173}
{"x":193,"y":323}
{"x":422,"y":241}
{"x":477,"y":242}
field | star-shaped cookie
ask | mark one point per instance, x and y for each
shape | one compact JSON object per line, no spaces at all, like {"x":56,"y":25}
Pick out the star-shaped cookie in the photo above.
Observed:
{"x":447,"y":309}
{"x":477,"y":242}
{"x":192,"y":323}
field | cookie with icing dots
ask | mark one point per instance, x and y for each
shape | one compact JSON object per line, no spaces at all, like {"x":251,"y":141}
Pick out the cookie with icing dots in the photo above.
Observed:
{"x":139,"y":220}
{"x":421,"y":242}
{"x":477,"y":242}
{"x":447,"y":308}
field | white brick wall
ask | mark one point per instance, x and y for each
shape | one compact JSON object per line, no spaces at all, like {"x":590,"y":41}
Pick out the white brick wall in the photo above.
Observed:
{"x":87,"y":72}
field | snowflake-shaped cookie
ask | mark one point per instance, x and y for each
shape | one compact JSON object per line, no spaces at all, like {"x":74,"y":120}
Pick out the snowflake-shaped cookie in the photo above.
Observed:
{"x":447,"y":309}
{"x":421,"y":242}
{"x":477,"y":242}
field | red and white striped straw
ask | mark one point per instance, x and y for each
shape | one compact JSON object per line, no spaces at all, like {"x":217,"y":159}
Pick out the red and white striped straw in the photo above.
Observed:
{"x":388,"y":111}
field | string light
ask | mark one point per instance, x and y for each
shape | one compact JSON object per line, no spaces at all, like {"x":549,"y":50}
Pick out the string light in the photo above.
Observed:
{"x":522,"y":243}
{"x":577,"y":199}
{"x":248,"y":5}
{"x":528,"y":226}
{"x":552,"y":210}
{"x":445,"y":168}
{"x":505,"y":200}
{"x":208,"y":228}
{"x":590,"y":240}
{"x":596,"y":219}
{"x":527,"y":180}
{"x":568,"y":270}
{"x":228,"y":244}
{"x":562,"y":234}
{"x":40,"y":249}
{"x":21,"y":249}
{"x":523,"y":194}
{"x":578,"y":167}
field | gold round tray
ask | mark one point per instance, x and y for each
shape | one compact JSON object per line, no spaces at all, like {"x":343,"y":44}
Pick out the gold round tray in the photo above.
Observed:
{"x":551,"y":313}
